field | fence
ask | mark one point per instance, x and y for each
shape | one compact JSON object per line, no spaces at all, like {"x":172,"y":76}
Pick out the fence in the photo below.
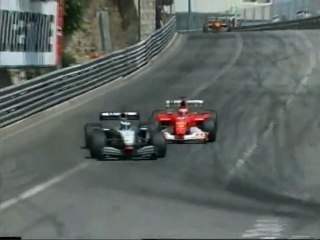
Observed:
{"x":286,"y":8}
{"x":290,"y":8}
{"x":309,"y":23}
{"x":18,"y":102}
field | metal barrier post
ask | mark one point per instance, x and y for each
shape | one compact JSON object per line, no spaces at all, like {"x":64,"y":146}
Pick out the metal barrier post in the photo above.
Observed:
{"x":189,"y":14}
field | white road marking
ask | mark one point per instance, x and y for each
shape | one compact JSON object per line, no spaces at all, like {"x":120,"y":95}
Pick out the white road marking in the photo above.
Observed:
{"x":269,"y":129}
{"x":254,"y":146}
{"x":303,"y":83}
{"x":265,"y":228}
{"x":41,"y":187}
{"x":270,"y":228}
{"x":301,"y":237}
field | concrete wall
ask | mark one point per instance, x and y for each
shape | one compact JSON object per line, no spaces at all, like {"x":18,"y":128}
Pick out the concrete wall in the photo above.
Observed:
{"x":290,"y":7}
{"x":205,"y":6}
{"x":251,"y":11}
{"x":256,"y":13}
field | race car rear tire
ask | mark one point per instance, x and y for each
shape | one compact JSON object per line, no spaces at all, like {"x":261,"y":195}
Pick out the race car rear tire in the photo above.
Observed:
{"x":210,"y":125}
{"x":97,"y":143}
{"x":88,"y":129}
{"x":159,"y":144}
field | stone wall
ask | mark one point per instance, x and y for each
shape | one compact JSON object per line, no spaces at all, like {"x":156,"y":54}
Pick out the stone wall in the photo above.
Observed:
{"x":85,"y":42}
{"x":148,"y":18}
{"x":119,"y":27}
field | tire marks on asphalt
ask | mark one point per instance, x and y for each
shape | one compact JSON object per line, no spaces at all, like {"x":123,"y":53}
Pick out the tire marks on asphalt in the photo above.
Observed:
{"x":251,"y":149}
{"x":224,"y":70}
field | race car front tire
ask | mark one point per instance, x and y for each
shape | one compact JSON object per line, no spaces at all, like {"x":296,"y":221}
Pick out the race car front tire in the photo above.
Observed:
{"x":210,"y":125}
{"x":97,"y":143}
{"x":159,"y":144}
{"x":88,"y":129}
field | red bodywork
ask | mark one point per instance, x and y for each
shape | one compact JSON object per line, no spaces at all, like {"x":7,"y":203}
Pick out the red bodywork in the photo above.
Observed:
{"x":216,"y":24}
{"x":180,"y":125}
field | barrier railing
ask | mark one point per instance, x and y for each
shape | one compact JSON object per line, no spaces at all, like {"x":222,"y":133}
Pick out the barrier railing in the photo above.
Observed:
{"x":18,"y":102}
{"x":307,"y":23}
{"x":21,"y":101}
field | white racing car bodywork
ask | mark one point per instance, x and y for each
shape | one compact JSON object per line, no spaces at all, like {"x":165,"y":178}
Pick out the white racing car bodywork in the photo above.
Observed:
{"x":195,"y":103}
{"x":111,"y":151}
{"x":196,"y":134}
{"x":128,"y":136}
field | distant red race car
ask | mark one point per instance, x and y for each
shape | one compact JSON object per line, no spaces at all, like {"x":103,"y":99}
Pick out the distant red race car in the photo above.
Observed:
{"x":186,"y":123}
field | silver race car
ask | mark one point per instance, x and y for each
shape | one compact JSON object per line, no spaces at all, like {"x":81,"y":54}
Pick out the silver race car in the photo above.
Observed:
{"x":124,"y":142}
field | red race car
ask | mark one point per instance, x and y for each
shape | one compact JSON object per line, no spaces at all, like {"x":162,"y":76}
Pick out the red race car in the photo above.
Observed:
{"x":186,"y":123}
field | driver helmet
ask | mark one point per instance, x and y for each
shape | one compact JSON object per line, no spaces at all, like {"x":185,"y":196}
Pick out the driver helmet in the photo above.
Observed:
{"x":124,"y":124}
{"x":182,"y":112}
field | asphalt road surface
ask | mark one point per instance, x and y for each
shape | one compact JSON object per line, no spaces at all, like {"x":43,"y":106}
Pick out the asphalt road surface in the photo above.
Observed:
{"x":261,"y":178}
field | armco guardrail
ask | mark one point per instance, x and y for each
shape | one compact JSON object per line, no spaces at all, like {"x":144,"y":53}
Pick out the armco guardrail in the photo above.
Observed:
{"x":18,"y":102}
{"x":308,"y":23}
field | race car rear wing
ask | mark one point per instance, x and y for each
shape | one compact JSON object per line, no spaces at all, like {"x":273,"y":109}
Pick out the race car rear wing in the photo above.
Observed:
{"x":118,"y":115}
{"x":176,"y":103}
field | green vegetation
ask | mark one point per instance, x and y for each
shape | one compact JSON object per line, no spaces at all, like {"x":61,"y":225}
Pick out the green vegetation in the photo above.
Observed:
{"x":67,"y":60}
{"x":73,"y":16}
{"x":73,"y":19}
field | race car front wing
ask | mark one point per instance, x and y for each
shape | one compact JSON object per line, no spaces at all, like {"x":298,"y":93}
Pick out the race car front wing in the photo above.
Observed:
{"x":145,"y":152}
{"x":198,"y":137}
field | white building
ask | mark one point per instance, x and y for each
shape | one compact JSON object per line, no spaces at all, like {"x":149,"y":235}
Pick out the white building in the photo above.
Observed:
{"x":247,"y":9}
{"x":217,"y":5}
